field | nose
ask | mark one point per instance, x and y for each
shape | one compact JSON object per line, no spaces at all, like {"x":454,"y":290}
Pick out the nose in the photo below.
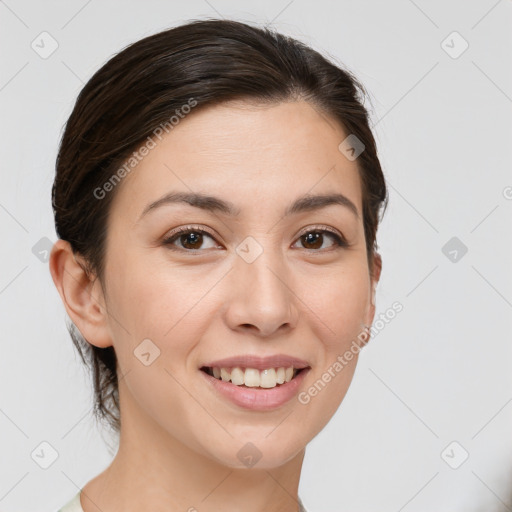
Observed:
{"x":261,"y":299}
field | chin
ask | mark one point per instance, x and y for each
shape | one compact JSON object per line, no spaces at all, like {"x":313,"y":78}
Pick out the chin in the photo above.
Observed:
{"x":258,"y":454}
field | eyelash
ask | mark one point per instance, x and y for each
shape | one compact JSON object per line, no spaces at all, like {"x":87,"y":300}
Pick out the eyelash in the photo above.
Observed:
{"x":340,"y":241}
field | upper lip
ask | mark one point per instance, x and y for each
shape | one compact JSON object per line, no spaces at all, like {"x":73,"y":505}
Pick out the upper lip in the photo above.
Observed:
{"x":258,"y":362}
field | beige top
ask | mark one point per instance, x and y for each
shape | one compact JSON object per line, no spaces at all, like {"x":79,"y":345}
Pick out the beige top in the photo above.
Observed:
{"x":75,"y":506}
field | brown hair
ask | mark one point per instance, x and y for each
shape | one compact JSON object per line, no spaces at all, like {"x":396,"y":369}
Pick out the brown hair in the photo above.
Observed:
{"x":141,"y":87}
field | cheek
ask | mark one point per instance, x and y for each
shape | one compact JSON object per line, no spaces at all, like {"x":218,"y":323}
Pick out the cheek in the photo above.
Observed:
{"x":324,"y":394}
{"x":160,"y":392}
{"x":154,"y":300}
{"x":172,"y":309}
{"x":340,"y":301}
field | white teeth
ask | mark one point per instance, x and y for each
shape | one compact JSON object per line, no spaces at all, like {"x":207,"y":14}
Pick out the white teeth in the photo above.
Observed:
{"x":253,"y":378}
{"x":268,"y":378}
{"x":237,"y":376}
{"x":225,"y":374}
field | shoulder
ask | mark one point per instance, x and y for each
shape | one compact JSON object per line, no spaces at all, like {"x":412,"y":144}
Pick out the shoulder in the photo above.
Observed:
{"x":73,"y":505}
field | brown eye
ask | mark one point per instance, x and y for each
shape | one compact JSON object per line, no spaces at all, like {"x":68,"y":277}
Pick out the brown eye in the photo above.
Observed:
{"x":190,"y":239}
{"x":314,"y":240}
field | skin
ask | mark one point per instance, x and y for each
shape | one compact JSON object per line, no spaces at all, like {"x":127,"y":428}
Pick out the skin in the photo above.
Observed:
{"x":179,"y":441}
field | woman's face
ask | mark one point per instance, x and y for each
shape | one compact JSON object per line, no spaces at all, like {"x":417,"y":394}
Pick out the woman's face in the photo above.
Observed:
{"x":257,"y":281}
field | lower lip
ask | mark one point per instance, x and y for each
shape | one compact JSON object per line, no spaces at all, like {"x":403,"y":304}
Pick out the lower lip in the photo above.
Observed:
{"x":257,"y":399}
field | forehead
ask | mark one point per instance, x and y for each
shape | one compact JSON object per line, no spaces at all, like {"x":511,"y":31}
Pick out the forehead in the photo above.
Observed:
{"x":251,"y":155}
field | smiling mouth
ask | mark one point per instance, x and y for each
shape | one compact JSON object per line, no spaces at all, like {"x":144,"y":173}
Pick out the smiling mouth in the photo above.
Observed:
{"x":253,"y":378}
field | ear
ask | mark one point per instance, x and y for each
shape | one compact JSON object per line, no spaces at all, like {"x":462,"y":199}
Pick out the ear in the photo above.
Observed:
{"x":81,"y":294}
{"x":377,"y":269}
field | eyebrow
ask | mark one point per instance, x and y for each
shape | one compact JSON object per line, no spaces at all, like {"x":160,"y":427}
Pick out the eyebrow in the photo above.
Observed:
{"x":205,"y":202}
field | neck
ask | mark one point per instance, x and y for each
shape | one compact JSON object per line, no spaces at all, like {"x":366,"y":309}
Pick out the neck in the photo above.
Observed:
{"x":154,"y":470}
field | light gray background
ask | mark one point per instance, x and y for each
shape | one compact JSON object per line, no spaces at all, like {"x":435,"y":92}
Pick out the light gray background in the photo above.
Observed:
{"x":439,"y":372}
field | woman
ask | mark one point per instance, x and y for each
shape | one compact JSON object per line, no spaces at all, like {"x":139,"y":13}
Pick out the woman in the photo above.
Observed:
{"x":217,"y":199}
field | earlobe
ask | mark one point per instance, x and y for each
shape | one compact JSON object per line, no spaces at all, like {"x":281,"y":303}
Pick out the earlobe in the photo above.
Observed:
{"x":81,"y":295}
{"x":374,"y":292}
{"x":377,"y":268}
